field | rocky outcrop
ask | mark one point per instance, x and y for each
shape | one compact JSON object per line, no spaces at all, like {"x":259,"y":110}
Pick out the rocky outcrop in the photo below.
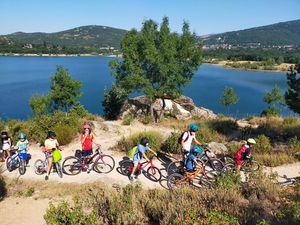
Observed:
{"x":182,"y":108}
{"x":217,"y":148}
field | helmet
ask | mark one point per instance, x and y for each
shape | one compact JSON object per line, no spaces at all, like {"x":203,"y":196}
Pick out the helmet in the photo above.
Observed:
{"x":196,"y":149}
{"x":86,"y":126}
{"x":22,"y":136}
{"x":251,"y":141}
{"x":144,"y":141}
{"x":51,"y":134}
{"x":194,"y":127}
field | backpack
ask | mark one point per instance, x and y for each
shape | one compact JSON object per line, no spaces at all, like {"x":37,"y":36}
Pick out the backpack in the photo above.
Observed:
{"x":181,"y":136}
{"x":56,"y":156}
{"x":132,"y":152}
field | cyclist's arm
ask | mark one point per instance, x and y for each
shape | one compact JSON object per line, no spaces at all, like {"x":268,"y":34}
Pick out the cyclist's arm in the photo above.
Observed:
{"x":196,"y":141}
{"x":153,"y":151}
{"x":144,"y":155}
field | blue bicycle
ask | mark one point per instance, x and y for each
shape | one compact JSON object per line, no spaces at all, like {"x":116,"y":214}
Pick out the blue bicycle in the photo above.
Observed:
{"x":16,"y":161}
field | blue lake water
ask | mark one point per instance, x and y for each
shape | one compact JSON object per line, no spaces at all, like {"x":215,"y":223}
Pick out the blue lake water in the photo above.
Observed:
{"x":22,"y":77}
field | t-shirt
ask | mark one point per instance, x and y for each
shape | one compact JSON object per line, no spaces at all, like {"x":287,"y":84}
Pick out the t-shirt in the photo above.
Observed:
{"x":5,"y":144}
{"x":88,"y":142}
{"x":50,"y":144}
{"x":189,"y":162}
{"x":139,"y":152}
{"x":189,"y":137}
{"x":22,"y":146}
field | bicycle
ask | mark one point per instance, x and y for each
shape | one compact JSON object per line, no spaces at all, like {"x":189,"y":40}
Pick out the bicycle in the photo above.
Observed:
{"x":206,"y":161}
{"x":100,"y":163}
{"x":41,"y":166}
{"x":152,"y":172}
{"x":16,"y":161}
{"x":191,"y":178}
{"x":248,"y":165}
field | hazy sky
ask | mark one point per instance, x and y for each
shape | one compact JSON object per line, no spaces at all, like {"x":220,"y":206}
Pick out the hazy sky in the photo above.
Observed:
{"x":204,"y":16}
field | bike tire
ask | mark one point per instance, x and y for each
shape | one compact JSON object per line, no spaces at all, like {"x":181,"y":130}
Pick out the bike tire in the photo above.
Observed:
{"x":71,"y":165}
{"x":22,"y":167}
{"x":228,"y":168}
{"x":9,"y":164}
{"x":215,"y":164}
{"x":126,"y":167}
{"x":255,"y":165}
{"x":250,"y":166}
{"x":104,"y":164}
{"x":173,"y":181}
{"x":39,"y":167}
{"x":228,"y":160}
{"x":58,"y":169}
{"x":207,"y":180}
{"x":153,"y":173}
{"x":175,"y":167}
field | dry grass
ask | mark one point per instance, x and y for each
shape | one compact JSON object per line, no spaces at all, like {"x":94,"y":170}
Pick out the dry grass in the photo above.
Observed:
{"x":274,"y":159}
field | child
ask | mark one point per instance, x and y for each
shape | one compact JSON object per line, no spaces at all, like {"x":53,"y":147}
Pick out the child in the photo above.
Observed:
{"x":244,"y":152}
{"x":6,"y":143}
{"x":22,"y":146}
{"x":187,"y":139}
{"x":139,"y":154}
{"x":51,"y":144}
{"x":191,"y":161}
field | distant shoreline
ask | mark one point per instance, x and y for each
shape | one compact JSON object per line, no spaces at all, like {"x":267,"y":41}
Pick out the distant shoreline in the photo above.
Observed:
{"x":55,"y":55}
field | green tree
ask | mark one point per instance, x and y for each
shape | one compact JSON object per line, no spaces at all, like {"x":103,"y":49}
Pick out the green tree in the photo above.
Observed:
{"x":113,"y":102}
{"x":292,"y":95}
{"x":40,"y":104}
{"x":280,"y":60}
{"x":65,"y":92}
{"x":273,"y":99}
{"x":157,"y":62}
{"x":229,"y":98}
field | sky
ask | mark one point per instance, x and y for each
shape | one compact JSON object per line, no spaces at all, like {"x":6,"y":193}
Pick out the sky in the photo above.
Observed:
{"x":204,"y":16}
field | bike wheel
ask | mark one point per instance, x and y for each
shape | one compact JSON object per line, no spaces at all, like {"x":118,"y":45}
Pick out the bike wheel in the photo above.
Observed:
{"x":207,"y":180}
{"x":175,"y":180}
{"x":153,"y":173}
{"x":216,"y":164}
{"x":9,"y":164}
{"x":71,"y":165}
{"x":248,"y":166}
{"x":228,"y":168}
{"x":126,"y":167}
{"x":39,"y":167}
{"x":229,"y":160}
{"x":104,"y":164}
{"x":175,"y":167}
{"x":22,"y":167}
{"x":58,"y":169}
{"x":255,"y":165}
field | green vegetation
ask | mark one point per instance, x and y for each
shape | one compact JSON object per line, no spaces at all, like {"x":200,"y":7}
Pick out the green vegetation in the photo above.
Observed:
{"x":229,"y":98}
{"x":231,"y":202}
{"x":80,"y":40}
{"x":292,"y":95}
{"x":273,"y":99}
{"x":156,"y":61}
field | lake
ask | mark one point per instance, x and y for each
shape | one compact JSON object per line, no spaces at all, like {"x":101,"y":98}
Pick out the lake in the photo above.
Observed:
{"x":23,"y":76}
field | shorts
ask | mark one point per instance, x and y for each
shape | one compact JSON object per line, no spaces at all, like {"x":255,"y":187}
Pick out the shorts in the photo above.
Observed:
{"x":24,"y":156}
{"x":86,"y":153}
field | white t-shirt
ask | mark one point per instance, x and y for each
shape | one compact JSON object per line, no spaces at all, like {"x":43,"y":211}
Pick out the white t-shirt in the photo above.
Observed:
{"x":50,"y":144}
{"x":189,"y":137}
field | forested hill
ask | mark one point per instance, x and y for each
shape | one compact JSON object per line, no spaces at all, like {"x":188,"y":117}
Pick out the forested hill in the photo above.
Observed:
{"x":279,"y":34}
{"x":86,"y":37}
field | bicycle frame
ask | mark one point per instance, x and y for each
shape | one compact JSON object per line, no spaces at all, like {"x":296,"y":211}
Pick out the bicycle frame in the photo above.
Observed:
{"x":188,"y":176}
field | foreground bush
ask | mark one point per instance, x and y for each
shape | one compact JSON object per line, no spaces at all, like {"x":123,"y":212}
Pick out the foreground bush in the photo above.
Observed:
{"x":171,"y":145}
{"x":259,"y":201}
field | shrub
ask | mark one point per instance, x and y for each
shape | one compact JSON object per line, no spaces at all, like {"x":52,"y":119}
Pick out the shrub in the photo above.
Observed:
{"x":224,"y":126}
{"x":3,"y":190}
{"x":79,"y":110}
{"x":2,"y":125}
{"x":145,"y":119}
{"x":29,"y":192}
{"x":171,"y":144}
{"x":126,"y":144}
{"x":216,"y":217}
{"x":233,"y":147}
{"x":127,"y":120}
{"x":65,"y":214}
{"x":263,"y":144}
{"x":205,"y":134}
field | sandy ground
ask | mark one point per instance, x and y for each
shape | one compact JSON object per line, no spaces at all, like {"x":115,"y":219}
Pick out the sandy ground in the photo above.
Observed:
{"x":30,"y":211}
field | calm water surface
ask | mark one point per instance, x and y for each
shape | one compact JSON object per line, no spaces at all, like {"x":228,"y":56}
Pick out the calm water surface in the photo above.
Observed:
{"x":21,"y":77}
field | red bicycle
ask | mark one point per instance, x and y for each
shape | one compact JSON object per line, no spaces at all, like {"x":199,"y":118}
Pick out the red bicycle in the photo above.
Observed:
{"x":152,"y":172}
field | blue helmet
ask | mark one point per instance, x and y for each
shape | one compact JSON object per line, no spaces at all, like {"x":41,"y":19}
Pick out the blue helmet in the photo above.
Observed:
{"x":194,"y":127}
{"x":22,"y":136}
{"x":196,"y":149}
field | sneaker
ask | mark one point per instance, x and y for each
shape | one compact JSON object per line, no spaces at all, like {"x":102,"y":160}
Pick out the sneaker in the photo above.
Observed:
{"x":130,"y":177}
{"x":46,"y":177}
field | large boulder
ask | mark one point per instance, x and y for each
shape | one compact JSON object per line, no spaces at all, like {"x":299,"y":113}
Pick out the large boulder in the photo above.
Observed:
{"x":182,"y":108}
{"x":217,"y":148}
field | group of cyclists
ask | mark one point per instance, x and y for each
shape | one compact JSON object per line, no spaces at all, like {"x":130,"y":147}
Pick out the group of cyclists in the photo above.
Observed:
{"x":191,"y":150}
